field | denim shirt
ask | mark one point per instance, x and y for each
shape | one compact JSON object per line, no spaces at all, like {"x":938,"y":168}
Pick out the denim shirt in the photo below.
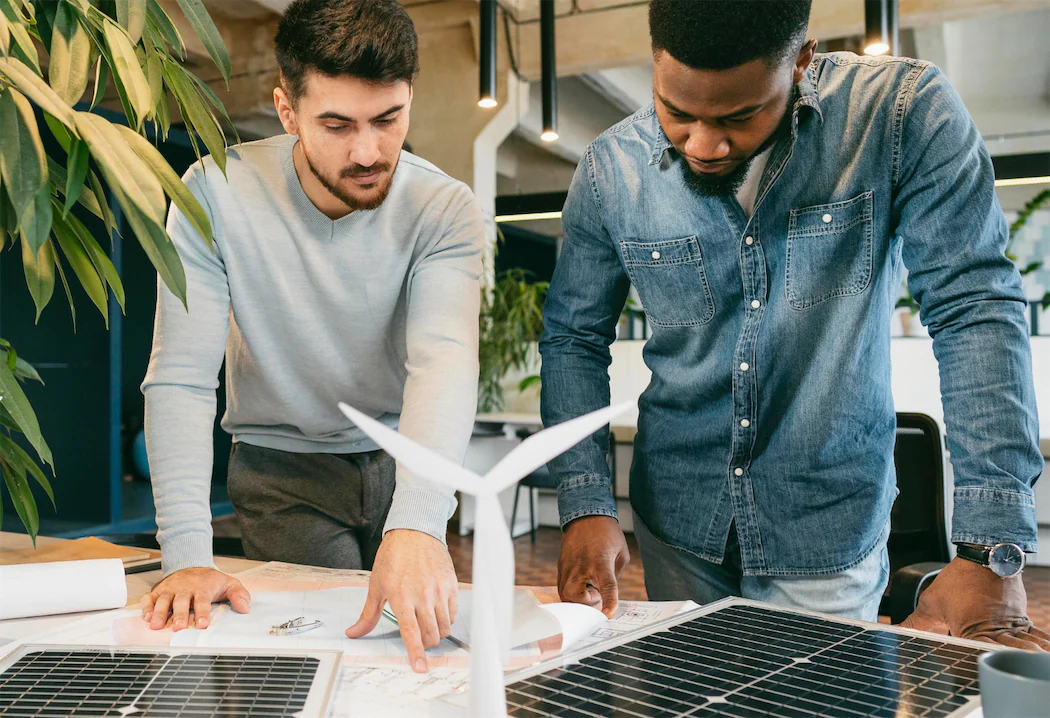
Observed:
{"x":770,"y":404}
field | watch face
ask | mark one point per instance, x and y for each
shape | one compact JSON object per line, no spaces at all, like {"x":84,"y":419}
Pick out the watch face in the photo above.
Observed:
{"x":1006,"y":559}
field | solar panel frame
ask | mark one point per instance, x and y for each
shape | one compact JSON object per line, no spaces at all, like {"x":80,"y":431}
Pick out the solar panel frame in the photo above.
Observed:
{"x":599,"y":675}
{"x":161,"y":678}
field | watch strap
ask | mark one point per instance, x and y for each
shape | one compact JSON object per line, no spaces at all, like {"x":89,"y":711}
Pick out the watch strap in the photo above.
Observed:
{"x":971,"y":552}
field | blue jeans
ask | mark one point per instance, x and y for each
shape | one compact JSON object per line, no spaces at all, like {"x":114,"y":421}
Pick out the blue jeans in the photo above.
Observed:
{"x":672,"y":574}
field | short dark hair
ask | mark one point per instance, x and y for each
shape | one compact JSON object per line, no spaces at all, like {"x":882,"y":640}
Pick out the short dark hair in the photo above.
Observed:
{"x":373,"y":40}
{"x":719,"y":34}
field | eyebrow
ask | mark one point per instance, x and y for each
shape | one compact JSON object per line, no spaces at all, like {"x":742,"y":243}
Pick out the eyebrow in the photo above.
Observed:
{"x":330,"y":115}
{"x":742,"y":111}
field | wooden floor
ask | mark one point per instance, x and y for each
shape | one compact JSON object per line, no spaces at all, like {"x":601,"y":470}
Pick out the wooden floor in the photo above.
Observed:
{"x":537,"y":565}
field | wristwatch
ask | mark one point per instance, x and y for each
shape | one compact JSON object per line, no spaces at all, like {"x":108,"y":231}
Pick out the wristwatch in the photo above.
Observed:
{"x":1004,"y":559}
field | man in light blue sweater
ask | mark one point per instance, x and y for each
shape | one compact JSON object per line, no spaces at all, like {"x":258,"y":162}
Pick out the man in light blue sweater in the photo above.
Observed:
{"x":343,"y":269}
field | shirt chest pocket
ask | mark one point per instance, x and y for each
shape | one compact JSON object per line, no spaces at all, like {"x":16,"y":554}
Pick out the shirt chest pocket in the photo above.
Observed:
{"x":671,"y":282}
{"x":829,"y":251}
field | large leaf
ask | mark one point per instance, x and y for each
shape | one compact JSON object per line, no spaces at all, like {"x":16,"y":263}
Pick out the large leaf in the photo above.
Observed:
{"x":107,"y":212}
{"x":65,"y":285}
{"x":82,"y":266}
{"x":45,"y":20}
{"x":131,"y":14}
{"x":40,"y":275}
{"x":36,"y":90}
{"x":87,"y":199}
{"x":8,"y":219}
{"x":102,"y":263}
{"x":16,"y":402}
{"x":61,"y":134}
{"x":36,"y":222}
{"x":159,"y":249}
{"x":195,"y":114}
{"x":129,"y":73}
{"x":209,"y":35}
{"x":122,"y":167}
{"x":23,"y":168}
{"x":155,"y":77}
{"x":5,"y":34}
{"x":176,"y":189}
{"x":24,"y":370}
{"x":6,"y":420}
{"x":20,"y":459}
{"x":210,"y":96}
{"x":21,"y":44}
{"x":67,"y":70}
{"x":101,"y":81}
{"x":77,"y":170}
{"x":22,"y":498}
{"x":166,"y":29}
{"x":162,"y":115}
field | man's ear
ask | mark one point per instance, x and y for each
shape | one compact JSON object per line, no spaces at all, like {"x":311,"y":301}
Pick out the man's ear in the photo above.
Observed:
{"x":802,"y":62}
{"x":285,"y":111}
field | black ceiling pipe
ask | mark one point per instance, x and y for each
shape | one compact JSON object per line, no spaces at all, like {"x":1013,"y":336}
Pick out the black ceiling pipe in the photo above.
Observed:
{"x":881,"y":27}
{"x":549,"y":74}
{"x":487,"y":52}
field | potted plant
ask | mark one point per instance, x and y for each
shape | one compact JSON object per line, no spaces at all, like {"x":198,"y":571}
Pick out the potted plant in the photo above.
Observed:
{"x":907,"y":301}
{"x":135,"y":46}
{"x":511,"y":322}
{"x":1038,"y":202}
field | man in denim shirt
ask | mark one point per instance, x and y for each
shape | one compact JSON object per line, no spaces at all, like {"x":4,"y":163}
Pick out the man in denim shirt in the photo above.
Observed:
{"x":762,"y":208}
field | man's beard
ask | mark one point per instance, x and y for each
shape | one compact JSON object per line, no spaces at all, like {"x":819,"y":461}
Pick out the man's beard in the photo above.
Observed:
{"x":380,"y":188}
{"x":716,"y":185}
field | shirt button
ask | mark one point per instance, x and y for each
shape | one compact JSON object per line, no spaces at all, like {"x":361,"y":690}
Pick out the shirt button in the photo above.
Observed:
{"x":738,"y":472}
{"x":745,"y":423}
{"x":827,"y":219}
{"x":749,"y":241}
{"x":744,"y":366}
{"x":755,"y":304}
{"x":656,"y":255}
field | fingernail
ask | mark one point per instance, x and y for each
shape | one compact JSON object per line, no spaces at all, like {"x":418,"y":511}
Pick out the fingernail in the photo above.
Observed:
{"x":202,"y":622}
{"x":421,"y":665}
{"x":147,"y":615}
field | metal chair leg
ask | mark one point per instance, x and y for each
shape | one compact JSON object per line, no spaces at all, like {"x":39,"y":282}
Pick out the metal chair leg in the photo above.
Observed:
{"x":532,"y":516}
{"x":514,"y":511}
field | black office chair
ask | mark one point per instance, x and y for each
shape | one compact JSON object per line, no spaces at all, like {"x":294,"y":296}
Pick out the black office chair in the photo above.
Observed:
{"x":918,"y":543}
{"x":541,"y":479}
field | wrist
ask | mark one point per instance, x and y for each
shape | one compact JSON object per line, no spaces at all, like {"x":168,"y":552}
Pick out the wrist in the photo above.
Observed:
{"x":1005,"y":560}
{"x":585,"y":523}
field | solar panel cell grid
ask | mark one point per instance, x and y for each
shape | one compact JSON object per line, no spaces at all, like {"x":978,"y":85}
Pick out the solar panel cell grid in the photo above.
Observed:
{"x":95,"y":683}
{"x":745,"y":660}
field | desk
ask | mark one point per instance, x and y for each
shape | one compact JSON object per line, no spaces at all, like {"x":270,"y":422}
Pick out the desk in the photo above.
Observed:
{"x":139,"y":584}
{"x":623,"y":427}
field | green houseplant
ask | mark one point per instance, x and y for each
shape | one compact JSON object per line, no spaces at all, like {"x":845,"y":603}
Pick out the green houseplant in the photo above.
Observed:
{"x":51,"y":52}
{"x":511,"y":322}
{"x":907,"y":301}
{"x":1038,"y":202}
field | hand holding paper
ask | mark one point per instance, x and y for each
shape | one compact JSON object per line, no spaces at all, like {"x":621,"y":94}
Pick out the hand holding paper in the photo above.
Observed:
{"x":493,"y":550}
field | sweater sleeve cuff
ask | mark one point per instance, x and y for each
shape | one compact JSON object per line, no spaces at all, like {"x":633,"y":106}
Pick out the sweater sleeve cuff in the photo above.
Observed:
{"x":990,"y":516}
{"x":421,"y":509}
{"x":191,"y":550}
{"x":586,"y":495}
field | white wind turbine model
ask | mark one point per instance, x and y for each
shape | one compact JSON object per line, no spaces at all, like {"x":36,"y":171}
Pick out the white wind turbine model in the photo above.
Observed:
{"x":493,"y":585}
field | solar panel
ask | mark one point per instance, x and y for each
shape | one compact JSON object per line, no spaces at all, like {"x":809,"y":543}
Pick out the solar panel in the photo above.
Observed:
{"x":104,"y":681}
{"x":741,"y":658}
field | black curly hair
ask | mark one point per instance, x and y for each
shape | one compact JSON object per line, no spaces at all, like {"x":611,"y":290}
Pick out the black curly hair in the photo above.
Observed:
{"x":720,"y":34}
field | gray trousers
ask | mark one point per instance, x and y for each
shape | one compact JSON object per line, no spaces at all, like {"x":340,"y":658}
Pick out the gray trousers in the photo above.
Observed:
{"x":316,"y":509}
